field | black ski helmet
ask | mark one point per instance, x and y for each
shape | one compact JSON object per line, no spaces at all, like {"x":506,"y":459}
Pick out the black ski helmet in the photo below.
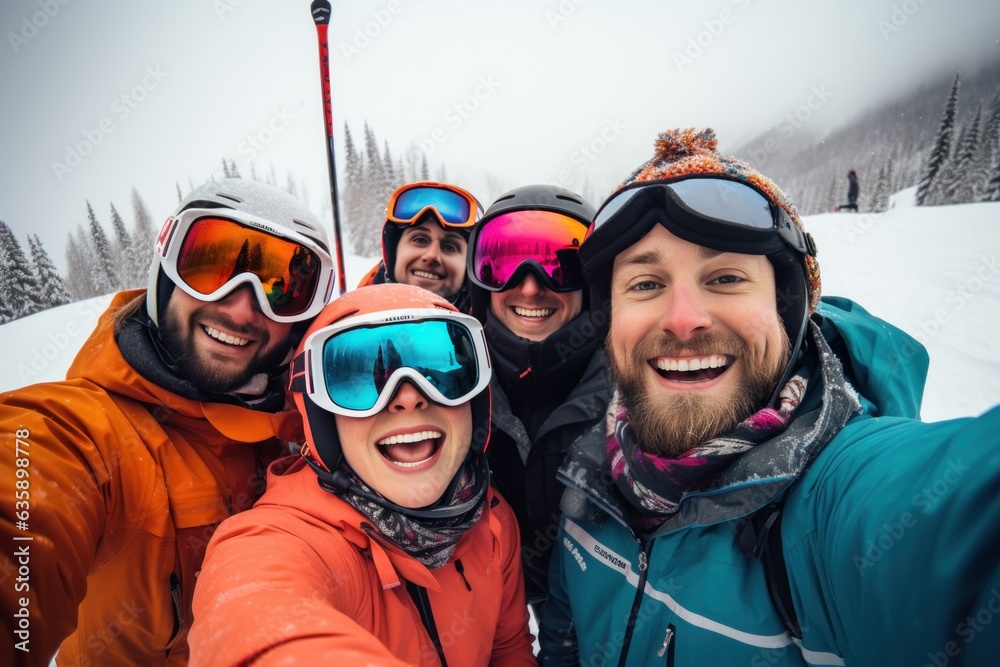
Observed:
{"x":526,"y":198}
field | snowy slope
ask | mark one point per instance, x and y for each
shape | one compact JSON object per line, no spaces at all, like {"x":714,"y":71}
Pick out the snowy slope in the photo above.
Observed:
{"x":931,"y":271}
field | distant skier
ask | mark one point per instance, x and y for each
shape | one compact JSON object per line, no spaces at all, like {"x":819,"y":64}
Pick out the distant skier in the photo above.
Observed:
{"x":852,"y":193}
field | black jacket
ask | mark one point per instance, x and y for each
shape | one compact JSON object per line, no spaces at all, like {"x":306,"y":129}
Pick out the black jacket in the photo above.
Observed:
{"x":560,"y":389}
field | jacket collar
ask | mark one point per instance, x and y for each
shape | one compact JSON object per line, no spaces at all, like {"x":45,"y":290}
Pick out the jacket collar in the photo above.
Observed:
{"x":291,"y":483}
{"x":101,"y":362}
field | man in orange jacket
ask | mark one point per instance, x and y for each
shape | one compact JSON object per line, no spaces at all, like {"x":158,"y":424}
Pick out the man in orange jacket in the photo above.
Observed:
{"x":114,"y":480}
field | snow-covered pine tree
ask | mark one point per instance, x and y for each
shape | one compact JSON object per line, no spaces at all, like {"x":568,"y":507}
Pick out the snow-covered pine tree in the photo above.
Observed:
{"x":988,"y":144}
{"x":80,"y":258}
{"x":353,"y":190}
{"x":51,"y":288}
{"x":367,"y":240}
{"x":122,"y":253}
{"x":105,"y":275}
{"x":992,"y":190}
{"x":144,"y":232}
{"x":5,"y":314}
{"x":180,"y":197}
{"x":831,"y":196}
{"x":880,"y":199}
{"x":963,"y":182}
{"x":225,"y":169}
{"x":17,"y":281}
{"x":392,"y":179}
{"x":940,"y":151}
{"x":425,"y":171}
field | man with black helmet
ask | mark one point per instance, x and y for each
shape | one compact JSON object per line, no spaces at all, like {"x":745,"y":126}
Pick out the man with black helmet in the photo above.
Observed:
{"x":756,"y":494}
{"x":168,"y":415}
{"x":526,"y":286}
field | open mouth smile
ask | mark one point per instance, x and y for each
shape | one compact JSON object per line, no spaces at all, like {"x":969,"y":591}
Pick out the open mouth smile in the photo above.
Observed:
{"x":427,"y":275}
{"x":410,"y":450}
{"x":692,"y":369}
{"x":534,"y":312}
{"x":224,"y":337}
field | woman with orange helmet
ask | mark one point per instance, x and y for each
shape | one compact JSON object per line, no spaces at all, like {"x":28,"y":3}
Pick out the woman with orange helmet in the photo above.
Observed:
{"x":383,"y":543}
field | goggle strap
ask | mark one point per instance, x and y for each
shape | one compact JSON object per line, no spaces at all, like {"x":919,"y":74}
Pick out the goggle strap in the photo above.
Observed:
{"x":299,"y":379}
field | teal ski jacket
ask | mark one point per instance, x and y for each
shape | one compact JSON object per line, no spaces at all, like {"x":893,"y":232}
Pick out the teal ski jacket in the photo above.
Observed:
{"x":890,"y":535}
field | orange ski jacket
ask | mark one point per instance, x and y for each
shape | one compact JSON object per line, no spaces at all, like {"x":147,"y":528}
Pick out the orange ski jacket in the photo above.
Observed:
{"x":125,"y":484}
{"x":305,"y":579}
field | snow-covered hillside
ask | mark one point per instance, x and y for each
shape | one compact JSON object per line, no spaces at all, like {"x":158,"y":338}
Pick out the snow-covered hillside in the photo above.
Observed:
{"x":933,"y":272}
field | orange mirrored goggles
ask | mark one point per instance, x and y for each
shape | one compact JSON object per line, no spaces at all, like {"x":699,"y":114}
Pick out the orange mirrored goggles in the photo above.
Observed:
{"x":209,"y":254}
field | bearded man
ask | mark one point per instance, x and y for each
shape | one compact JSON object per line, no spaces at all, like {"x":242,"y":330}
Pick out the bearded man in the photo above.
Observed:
{"x":756,"y":494}
{"x":116,"y":478}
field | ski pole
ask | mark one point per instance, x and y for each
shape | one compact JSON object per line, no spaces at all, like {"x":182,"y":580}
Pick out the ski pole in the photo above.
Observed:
{"x":321,"y":15}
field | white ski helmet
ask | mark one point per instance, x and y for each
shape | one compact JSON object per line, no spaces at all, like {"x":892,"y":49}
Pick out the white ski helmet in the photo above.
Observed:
{"x":240,"y":199}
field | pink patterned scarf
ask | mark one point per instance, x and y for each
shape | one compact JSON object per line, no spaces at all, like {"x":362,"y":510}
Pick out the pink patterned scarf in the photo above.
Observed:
{"x":655,"y":484}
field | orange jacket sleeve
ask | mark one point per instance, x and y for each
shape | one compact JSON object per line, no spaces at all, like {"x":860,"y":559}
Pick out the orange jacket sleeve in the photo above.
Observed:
{"x":58,"y":500}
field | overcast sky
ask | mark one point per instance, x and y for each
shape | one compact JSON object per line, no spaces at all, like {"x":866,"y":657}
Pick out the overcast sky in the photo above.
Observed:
{"x":104,"y":96}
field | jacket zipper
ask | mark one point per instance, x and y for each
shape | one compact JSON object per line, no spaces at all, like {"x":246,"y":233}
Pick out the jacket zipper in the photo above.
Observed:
{"x":667,"y":648}
{"x":461,"y":570}
{"x":639,"y":590}
{"x":419,"y":596}
{"x":175,"y":597}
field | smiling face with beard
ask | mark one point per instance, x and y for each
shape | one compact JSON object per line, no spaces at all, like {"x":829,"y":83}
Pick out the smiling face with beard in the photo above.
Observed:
{"x":219,"y":346}
{"x":695,"y":344}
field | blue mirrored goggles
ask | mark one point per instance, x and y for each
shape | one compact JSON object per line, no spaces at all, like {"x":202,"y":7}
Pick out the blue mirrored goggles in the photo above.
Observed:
{"x":453,"y":206}
{"x":712,"y":211}
{"x":353,"y":368}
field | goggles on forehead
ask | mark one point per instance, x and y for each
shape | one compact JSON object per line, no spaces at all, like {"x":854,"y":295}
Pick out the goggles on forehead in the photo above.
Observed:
{"x":711,"y":211}
{"x":208,"y":253}
{"x":452,"y":206}
{"x":353,"y":368}
{"x":503,"y":249}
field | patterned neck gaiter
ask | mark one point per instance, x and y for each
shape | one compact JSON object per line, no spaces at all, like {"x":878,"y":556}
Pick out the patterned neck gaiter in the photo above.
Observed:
{"x":654,"y":484}
{"x":429,"y":541}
